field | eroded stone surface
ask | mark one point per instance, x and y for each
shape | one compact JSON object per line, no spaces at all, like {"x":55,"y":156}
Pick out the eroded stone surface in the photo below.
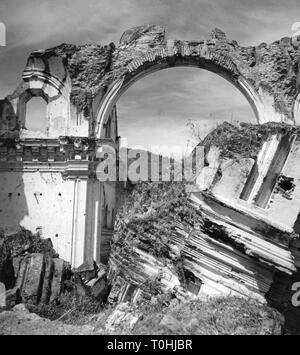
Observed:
{"x":35,"y":272}
{"x":233,"y":234}
{"x":270,"y":68}
{"x":220,"y":237}
{"x":80,"y":85}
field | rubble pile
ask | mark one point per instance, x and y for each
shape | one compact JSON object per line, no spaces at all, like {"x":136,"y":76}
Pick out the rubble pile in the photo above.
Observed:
{"x":217,"y":316}
{"x":212,"y":237}
{"x":244,"y":140}
{"x":30,"y":269}
{"x":90,"y":279}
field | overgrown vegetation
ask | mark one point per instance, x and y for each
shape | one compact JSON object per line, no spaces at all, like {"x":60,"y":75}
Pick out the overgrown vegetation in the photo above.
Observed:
{"x":70,"y":309}
{"x":216,"y":316}
{"x":242,"y":140}
{"x":147,"y":220}
{"x":151,"y":211}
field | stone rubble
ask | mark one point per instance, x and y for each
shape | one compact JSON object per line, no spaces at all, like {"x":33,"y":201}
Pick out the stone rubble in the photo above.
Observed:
{"x":30,"y":269}
{"x":90,"y":279}
{"x":272,"y":69}
{"x":42,"y":277}
{"x":196,"y":243}
{"x":233,"y":242}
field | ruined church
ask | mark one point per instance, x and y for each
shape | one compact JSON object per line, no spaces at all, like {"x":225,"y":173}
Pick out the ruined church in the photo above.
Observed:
{"x":48,"y":178}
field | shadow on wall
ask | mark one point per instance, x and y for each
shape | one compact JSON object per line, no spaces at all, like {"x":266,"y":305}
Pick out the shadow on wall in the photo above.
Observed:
{"x":9,"y":126}
{"x":29,"y":115}
{"x":13,"y":210}
{"x":100,"y":203}
{"x":13,"y":204}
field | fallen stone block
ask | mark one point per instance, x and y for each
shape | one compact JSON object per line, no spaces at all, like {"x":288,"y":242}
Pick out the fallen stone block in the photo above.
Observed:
{"x":46,"y":291}
{"x":98,"y":286}
{"x":23,"y":242}
{"x":87,"y":270}
{"x":22,"y":272}
{"x":81,"y":289}
{"x":100,"y":289}
{"x":60,"y":269}
{"x":102,"y":270}
{"x":116,"y":291}
{"x":100,"y":275}
{"x":32,"y":286}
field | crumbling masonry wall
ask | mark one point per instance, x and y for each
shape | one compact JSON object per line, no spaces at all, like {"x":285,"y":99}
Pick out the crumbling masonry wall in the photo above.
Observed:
{"x":48,"y":179}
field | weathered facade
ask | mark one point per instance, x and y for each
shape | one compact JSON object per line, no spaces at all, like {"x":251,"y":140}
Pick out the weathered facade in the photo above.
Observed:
{"x":48,"y":180}
{"x":236,"y":232}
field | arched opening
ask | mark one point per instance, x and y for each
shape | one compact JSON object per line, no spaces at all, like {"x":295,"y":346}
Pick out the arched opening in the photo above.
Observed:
{"x":36,"y":115}
{"x":220,"y":64}
{"x":156,"y":110}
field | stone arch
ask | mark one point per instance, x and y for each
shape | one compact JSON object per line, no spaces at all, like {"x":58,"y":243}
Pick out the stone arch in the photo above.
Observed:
{"x":168,"y":57}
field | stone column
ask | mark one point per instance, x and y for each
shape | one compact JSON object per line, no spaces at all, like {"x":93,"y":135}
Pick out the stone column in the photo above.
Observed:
{"x":93,"y":219}
{"x":78,"y":171}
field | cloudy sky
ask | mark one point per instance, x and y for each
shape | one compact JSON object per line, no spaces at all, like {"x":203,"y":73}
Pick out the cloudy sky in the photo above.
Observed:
{"x":155,"y":110}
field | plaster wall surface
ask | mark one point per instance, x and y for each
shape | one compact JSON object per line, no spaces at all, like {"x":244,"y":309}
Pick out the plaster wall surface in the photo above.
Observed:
{"x":39,"y":201}
{"x":234,"y":176}
{"x":207,"y":173}
{"x":100,"y":204}
{"x":283,"y":209}
{"x":81,"y":85}
{"x":263,"y":163}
